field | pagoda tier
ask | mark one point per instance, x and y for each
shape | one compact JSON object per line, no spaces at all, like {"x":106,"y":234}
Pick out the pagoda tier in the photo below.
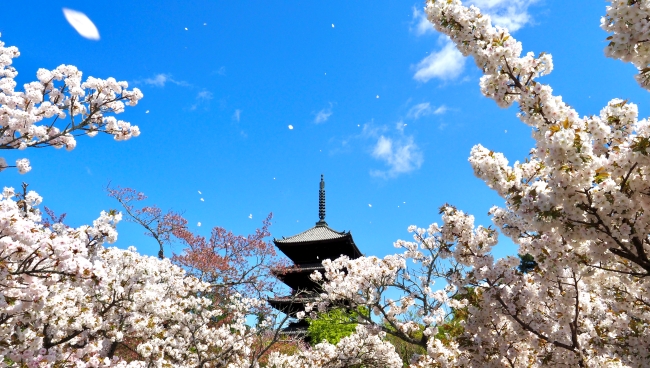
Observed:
{"x":290,"y":305}
{"x":317,"y":244}
{"x":297,"y":278}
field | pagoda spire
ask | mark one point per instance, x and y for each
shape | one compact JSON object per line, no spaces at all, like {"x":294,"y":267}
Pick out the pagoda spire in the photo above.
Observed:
{"x":321,"y":203}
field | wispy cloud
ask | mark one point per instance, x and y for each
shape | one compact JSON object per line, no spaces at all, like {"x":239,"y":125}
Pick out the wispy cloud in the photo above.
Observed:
{"x":445,"y":64}
{"x":323,"y":115}
{"x":159,"y":80}
{"x":237,"y":115}
{"x":420,"y":25}
{"x":202,"y":98}
{"x":511,"y":14}
{"x":425,"y":109}
{"x":441,"y":110}
{"x":401,"y":155}
{"x":397,"y":151}
{"x":419,"y":110}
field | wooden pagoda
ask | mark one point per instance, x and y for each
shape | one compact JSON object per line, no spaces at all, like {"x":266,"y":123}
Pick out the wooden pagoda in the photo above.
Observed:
{"x":307,"y":250}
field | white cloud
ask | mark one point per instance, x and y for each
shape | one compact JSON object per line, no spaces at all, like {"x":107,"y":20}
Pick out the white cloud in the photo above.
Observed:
{"x":425,"y":109}
{"x":511,"y":14}
{"x":420,"y":25}
{"x":82,"y":24}
{"x":441,"y":110}
{"x":220,"y":71}
{"x":204,"y":95}
{"x":159,"y":80}
{"x":397,"y":151}
{"x":323,"y":115}
{"x":400,"y":155}
{"x":237,"y":115}
{"x":201,"y":98}
{"x":445,"y":64}
{"x":419,"y":110}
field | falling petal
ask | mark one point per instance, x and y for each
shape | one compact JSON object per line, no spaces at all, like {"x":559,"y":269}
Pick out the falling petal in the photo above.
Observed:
{"x":202,"y":200}
{"x":377,"y":96}
{"x":369,"y":205}
{"x":200,"y":192}
{"x":250,"y":216}
{"x":146,"y":112}
{"x":205,"y":24}
{"x":290,"y":127}
{"x":186,"y":28}
{"x":81,"y":23}
{"x":199,"y":224}
{"x":332,"y":25}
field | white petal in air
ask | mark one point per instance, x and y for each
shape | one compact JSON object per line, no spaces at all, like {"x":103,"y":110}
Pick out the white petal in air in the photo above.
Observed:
{"x":146,"y":112}
{"x":250,"y":216}
{"x":332,"y":25}
{"x":290,"y":127}
{"x":199,"y":224}
{"x":369,"y":205}
{"x":200,"y":192}
{"x":202,"y":200}
{"x":81,"y":23}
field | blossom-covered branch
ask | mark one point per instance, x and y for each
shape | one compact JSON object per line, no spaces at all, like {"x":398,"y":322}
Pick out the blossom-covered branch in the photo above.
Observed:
{"x":63,"y":105}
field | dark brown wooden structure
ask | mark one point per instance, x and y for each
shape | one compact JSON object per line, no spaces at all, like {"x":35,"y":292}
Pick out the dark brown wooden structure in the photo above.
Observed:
{"x":307,"y":250}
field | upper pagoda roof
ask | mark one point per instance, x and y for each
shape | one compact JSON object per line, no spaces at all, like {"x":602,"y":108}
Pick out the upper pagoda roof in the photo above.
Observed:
{"x":320,"y":242}
{"x":316,"y":233}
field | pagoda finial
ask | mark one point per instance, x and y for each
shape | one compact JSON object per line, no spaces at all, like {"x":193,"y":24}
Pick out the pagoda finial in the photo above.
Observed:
{"x":321,"y":203}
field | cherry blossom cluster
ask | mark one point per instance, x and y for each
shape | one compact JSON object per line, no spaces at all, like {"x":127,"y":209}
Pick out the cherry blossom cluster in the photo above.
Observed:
{"x":65,"y":299}
{"x":364,"y":348}
{"x":57,"y":95}
{"x":373,"y":284}
{"x":629,"y":23}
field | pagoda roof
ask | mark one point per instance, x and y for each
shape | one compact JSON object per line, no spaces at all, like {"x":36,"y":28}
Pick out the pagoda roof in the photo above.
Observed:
{"x":315,"y":234}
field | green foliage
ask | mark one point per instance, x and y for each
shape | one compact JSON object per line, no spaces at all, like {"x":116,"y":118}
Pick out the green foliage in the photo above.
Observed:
{"x":527,"y":263}
{"x":404,"y":349}
{"x":334,"y":325}
{"x":453,"y":329}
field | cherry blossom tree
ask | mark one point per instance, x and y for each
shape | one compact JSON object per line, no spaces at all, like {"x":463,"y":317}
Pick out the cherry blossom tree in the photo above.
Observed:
{"x":65,"y":107}
{"x":576,"y":206}
{"x":65,"y":300}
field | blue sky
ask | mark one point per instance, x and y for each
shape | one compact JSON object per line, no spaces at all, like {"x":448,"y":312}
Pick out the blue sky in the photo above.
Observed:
{"x":379,"y":104}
